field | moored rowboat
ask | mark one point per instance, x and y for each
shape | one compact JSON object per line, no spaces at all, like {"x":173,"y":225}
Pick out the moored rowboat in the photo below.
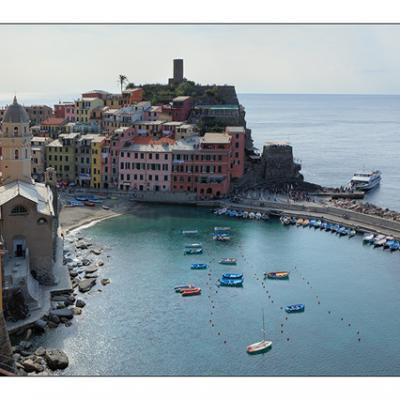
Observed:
{"x":277,"y":275}
{"x":228,"y":261}
{"x":259,"y":347}
{"x":191,"y":292}
{"x":295,"y":308}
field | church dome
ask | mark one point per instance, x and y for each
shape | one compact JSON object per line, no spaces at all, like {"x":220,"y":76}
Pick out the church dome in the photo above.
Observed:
{"x":16,"y":114}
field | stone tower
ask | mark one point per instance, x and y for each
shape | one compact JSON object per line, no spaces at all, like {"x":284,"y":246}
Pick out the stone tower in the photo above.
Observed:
{"x":15,"y":143}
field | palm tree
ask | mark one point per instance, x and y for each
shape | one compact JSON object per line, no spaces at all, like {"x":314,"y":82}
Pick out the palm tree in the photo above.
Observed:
{"x":122,"y":79}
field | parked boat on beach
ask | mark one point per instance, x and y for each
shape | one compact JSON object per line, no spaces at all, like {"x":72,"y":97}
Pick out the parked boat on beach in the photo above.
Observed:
{"x":299,"y":222}
{"x":394,"y":246}
{"x":222,"y":237}
{"x":295,"y":308}
{"x":228,"y":261}
{"x":199,"y":266}
{"x":276,"y":275}
{"x":379,"y":240}
{"x":193,"y":251}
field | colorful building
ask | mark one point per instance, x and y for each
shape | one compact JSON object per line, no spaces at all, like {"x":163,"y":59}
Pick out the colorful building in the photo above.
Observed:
{"x":145,"y":164}
{"x":39,"y":113}
{"x":65,"y":110}
{"x":39,"y":156}
{"x":181,"y":107}
{"x":84,"y":106}
{"x":238,"y":135}
{"x":97,"y":161}
{"x":52,"y":127}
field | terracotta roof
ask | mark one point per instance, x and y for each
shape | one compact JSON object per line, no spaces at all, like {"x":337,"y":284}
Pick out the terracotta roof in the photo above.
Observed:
{"x":53,"y":121}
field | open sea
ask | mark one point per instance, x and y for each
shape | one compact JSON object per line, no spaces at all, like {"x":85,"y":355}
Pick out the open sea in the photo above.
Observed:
{"x":138,"y":325}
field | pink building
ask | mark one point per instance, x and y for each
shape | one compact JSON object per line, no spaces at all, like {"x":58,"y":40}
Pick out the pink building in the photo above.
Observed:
{"x":145,"y":164}
{"x":65,"y":110}
{"x":181,"y":107}
{"x":238,"y":135}
{"x":202,"y":165}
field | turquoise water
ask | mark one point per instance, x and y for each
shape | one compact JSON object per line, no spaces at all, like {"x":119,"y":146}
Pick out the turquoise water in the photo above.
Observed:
{"x":138,"y":325}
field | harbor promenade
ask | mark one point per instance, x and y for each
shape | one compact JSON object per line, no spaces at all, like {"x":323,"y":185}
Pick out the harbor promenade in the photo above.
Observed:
{"x":352,"y":219}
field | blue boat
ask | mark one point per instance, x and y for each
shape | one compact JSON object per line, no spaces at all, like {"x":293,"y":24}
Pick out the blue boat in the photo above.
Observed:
{"x":232,"y":276}
{"x":323,"y":225}
{"x":231,"y":282}
{"x":199,"y":266}
{"x":295,"y":308}
{"x":328,"y":226}
{"x":395,"y":245}
{"x":81,"y":198}
{"x":335,"y":228}
{"x":193,"y":251}
{"x":312,"y":223}
{"x":342,"y":231}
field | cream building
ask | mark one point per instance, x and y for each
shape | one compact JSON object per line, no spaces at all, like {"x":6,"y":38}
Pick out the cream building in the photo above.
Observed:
{"x":28,"y":214}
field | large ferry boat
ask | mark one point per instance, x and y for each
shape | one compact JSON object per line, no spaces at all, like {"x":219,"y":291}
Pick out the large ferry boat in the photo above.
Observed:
{"x":365,"y":180}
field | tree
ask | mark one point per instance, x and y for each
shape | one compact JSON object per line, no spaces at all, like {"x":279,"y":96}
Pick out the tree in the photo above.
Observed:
{"x":122,"y":79}
{"x":130,"y":85}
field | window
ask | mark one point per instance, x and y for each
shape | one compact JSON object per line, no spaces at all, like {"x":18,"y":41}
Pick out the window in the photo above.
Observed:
{"x":15,"y":131}
{"x":19,"y":210}
{"x":42,"y":221}
{"x":16,"y":154}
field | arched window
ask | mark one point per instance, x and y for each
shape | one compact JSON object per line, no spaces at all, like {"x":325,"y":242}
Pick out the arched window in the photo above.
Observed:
{"x":26,"y":153}
{"x":42,"y":221}
{"x":19,"y":210}
{"x":16,"y":154}
{"x":15,"y":131}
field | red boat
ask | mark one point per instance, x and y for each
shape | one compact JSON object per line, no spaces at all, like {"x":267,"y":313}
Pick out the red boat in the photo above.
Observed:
{"x":191,"y":292}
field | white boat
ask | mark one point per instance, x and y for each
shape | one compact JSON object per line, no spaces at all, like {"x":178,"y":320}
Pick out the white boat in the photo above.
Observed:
{"x":262,"y":346}
{"x":365,"y":180}
{"x":252,"y":215}
{"x":222,"y":229}
{"x":368,"y":238}
{"x":193,"y":245}
{"x":379,"y":240}
{"x":192,"y":232}
{"x":258,"y":215}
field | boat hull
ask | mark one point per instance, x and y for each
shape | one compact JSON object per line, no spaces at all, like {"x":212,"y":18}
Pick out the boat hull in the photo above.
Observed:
{"x":259,"y":347}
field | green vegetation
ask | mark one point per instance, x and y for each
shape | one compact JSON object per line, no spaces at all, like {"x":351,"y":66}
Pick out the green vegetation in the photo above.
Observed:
{"x":162,"y":94}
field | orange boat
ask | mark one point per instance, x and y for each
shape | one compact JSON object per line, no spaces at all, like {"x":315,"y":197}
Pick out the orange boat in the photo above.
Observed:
{"x":277,"y":275}
{"x":191,"y":292}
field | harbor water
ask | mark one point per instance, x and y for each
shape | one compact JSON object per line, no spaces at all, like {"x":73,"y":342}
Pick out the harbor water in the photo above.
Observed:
{"x":138,"y":325}
{"x":334,"y":136}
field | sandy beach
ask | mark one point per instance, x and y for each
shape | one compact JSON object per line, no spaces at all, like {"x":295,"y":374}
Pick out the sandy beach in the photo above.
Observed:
{"x":75,"y":217}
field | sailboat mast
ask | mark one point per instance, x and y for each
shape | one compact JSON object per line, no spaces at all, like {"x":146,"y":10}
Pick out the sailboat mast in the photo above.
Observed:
{"x":263,"y":325}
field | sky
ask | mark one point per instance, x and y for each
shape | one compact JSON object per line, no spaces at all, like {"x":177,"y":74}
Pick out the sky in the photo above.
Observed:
{"x":58,"y":62}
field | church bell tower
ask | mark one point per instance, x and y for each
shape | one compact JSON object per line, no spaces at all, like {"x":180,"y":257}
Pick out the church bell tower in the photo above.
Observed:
{"x":15,"y":144}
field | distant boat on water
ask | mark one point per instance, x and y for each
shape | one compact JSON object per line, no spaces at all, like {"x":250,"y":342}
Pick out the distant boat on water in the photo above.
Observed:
{"x":263,"y":345}
{"x":365,"y":180}
{"x":228,"y":261}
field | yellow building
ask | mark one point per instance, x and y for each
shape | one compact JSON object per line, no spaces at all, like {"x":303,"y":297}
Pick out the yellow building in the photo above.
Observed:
{"x":84,"y":107}
{"x":96,"y":161}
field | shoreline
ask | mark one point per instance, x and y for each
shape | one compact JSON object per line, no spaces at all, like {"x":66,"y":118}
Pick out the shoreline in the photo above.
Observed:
{"x":87,"y":223}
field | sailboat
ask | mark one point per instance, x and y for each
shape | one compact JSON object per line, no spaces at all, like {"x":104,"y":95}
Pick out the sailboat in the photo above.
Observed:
{"x":260,"y":347}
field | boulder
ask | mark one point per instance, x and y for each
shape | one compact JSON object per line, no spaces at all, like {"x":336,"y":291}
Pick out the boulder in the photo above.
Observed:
{"x":86,"y":262}
{"x":63,"y":313}
{"x":77,"y":311}
{"x":56,"y":359}
{"x":40,"y":325}
{"x":97,"y":252}
{"x":80,"y":303}
{"x":52,"y":325}
{"x":30,"y":365}
{"x":90,"y":270}
{"x":91,"y":275}
{"x":105,"y":281}
{"x":68,"y":324}
{"x":25,"y":344}
{"x":54,"y":319}
{"x":99,"y":263}
{"x":86,"y":284}
{"x":59,"y":298}
{"x":73,"y":274}
{"x":70,"y":300}
{"x":40,"y":351}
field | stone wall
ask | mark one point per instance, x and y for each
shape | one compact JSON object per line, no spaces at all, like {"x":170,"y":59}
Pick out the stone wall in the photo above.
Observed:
{"x":6,"y":361}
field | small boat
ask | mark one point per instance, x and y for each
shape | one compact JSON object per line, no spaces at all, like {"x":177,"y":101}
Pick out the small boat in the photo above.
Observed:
{"x":394,"y":246}
{"x":368,"y":238}
{"x":105,"y":207}
{"x":258,"y":215}
{"x":89,"y":203}
{"x":342,"y":231}
{"x":245,"y":214}
{"x":225,"y":229}
{"x":178,"y":289}
{"x":379,"y":240}
{"x":328,"y":227}
{"x":335,"y":228}
{"x":228,"y":261}
{"x":318,"y":224}
{"x":292,"y":221}
{"x":312,"y":223}
{"x":352,"y":233}
{"x":231,"y":282}
{"x":260,"y":347}
{"x":193,"y":245}
{"x":324,"y":225}
{"x":81,"y":198}
{"x":252,"y":215}
{"x":193,"y":251}
{"x":199,"y":266}
{"x":299,"y":221}
{"x":277,"y":275}
{"x":306,"y":222}
{"x":190,"y":232}
{"x":285,"y":220}
{"x":222,"y":237}
{"x":295,"y":308}
{"x":232,"y":276}
{"x":191,"y":292}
